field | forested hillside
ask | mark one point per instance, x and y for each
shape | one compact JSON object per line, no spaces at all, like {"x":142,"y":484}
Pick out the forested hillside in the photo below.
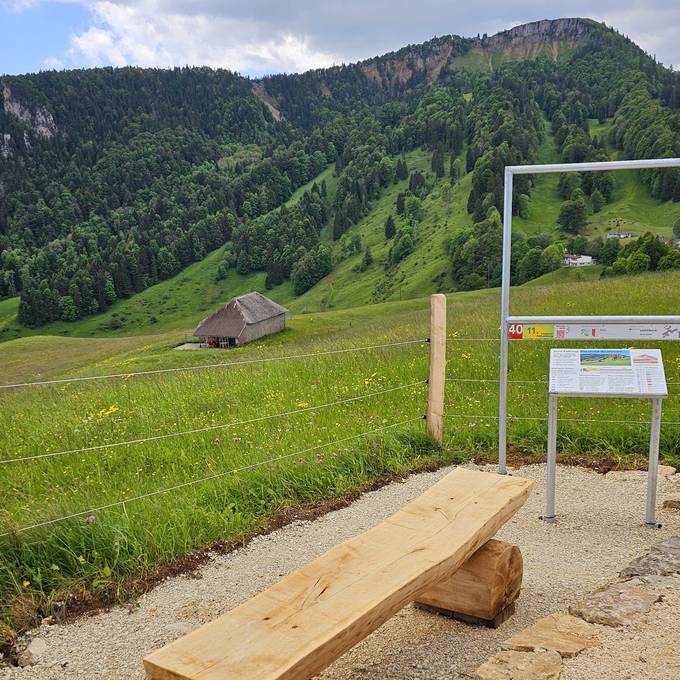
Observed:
{"x":112,"y":180}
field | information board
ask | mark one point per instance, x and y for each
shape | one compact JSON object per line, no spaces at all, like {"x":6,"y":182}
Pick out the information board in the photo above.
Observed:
{"x":607,"y":372}
{"x":610,"y":331}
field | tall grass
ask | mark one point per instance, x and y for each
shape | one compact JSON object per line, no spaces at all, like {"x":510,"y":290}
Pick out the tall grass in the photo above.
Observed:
{"x":92,"y":552}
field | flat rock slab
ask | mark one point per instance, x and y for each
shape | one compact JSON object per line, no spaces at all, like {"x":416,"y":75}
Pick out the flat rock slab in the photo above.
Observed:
{"x":654,"y":564}
{"x":618,"y":604}
{"x":561,"y":633}
{"x":662,"y":560}
{"x":510,"y":665}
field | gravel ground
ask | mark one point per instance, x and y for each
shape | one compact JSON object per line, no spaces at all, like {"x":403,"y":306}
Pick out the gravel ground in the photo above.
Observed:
{"x":646,"y":649}
{"x":600,"y":529}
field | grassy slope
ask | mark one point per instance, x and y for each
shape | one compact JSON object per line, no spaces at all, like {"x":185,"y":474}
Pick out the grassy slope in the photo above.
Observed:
{"x":179,"y":303}
{"x":632,"y":206}
{"x":129,"y":540}
{"x":414,"y":276}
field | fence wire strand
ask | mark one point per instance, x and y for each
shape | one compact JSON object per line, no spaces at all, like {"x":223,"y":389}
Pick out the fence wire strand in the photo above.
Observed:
{"x":227,"y":364}
{"x":207,"y":478}
{"x":209,"y":428}
{"x":516,"y":382}
{"x":573,"y":420}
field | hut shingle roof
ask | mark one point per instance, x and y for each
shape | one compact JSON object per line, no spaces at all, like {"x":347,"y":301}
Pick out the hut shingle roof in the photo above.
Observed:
{"x":230,"y":320}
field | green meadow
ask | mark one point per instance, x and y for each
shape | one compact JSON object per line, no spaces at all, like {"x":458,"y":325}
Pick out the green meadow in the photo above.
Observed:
{"x":104,"y":481}
{"x":257,"y":438}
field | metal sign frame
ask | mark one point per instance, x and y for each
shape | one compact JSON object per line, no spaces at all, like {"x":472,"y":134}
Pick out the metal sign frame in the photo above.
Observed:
{"x":507,"y":320}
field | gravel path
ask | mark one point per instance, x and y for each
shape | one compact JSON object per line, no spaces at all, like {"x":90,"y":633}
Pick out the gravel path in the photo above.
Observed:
{"x":648,"y":648}
{"x":599,"y":531}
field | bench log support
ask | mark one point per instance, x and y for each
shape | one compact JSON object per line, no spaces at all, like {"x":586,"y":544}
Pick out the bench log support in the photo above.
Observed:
{"x":483,"y":591}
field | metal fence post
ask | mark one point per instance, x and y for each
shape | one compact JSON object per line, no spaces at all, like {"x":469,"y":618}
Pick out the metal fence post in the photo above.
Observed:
{"x":437,"y":381}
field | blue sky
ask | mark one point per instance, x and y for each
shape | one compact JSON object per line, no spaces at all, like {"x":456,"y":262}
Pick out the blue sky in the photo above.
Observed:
{"x":265,"y":36}
{"x":33,"y":35}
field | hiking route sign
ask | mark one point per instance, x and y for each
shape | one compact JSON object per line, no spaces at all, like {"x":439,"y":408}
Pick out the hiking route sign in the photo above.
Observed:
{"x":603,"y":331}
{"x":607,"y":373}
{"x":631,"y":373}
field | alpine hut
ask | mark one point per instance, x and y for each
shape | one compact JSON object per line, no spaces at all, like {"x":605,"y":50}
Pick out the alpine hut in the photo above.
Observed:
{"x":243,"y":319}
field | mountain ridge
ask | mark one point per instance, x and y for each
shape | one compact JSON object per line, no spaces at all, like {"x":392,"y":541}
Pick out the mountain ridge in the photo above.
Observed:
{"x":114,"y":180}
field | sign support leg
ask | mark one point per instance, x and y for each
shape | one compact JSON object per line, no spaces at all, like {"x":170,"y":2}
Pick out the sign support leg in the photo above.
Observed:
{"x":505,"y":311}
{"x":551,"y":480}
{"x":653,"y":464}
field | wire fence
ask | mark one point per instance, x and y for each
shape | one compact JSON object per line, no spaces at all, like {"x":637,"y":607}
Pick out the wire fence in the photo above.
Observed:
{"x":262,"y":418}
{"x":545,"y":419}
{"x":528,"y":382}
{"x":217,"y":475}
{"x":209,"y":428}
{"x":199,"y":367}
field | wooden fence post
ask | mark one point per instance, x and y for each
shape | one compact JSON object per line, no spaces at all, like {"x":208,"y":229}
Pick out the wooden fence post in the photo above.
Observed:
{"x":437,"y":381}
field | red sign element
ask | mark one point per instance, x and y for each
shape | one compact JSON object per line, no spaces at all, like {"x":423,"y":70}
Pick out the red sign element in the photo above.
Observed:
{"x":516,"y":331}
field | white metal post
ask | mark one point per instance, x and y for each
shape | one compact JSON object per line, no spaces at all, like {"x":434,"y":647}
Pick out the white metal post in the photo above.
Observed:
{"x":653,"y":463}
{"x":505,"y":311}
{"x":551,"y":480}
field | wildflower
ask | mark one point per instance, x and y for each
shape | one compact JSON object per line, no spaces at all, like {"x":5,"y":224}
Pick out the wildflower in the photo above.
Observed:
{"x":55,"y":567}
{"x":90,"y":519}
{"x":303,"y":404}
{"x":25,"y":584}
{"x":216,"y":440}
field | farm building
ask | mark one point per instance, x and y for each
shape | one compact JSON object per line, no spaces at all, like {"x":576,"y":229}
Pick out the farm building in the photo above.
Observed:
{"x":243,"y":319}
{"x":577,"y":260}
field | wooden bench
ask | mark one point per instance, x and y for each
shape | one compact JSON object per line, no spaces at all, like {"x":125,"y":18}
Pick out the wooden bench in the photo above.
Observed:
{"x":308,"y":619}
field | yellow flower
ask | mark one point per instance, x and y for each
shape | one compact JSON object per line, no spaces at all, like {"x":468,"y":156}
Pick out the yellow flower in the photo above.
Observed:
{"x":25,"y":584}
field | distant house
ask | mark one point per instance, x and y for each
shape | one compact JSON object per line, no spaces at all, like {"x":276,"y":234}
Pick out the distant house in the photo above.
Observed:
{"x":243,"y":319}
{"x":619,"y":234}
{"x":577,"y":261}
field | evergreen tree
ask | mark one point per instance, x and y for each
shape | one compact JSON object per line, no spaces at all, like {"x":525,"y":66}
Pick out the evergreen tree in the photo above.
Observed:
{"x":401,"y":203}
{"x":243,"y":263}
{"x":676,"y":228}
{"x":597,"y":200}
{"x":438,"y":162}
{"x":367,"y":260}
{"x":389,"y":227}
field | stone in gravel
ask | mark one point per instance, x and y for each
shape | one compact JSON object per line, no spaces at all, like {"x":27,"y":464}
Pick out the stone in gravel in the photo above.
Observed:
{"x":180,"y":628}
{"x":653,"y":564}
{"x":509,"y":665}
{"x":562,"y":633}
{"x":666,"y":471}
{"x":618,"y":604}
{"x":671,"y":546}
{"x":672,"y":503}
{"x":32,"y":655}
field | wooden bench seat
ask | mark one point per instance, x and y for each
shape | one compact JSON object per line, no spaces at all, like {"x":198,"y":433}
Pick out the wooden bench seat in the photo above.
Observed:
{"x":301,"y":624}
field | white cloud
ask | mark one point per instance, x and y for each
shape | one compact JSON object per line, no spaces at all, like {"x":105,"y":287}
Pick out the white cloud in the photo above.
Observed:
{"x":144,"y":34}
{"x":53,"y":63}
{"x":265,"y":36}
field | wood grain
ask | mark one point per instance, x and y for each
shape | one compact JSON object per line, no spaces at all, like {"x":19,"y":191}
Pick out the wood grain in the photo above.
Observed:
{"x":301,"y":624}
{"x":437,"y":377}
{"x":483,"y":587}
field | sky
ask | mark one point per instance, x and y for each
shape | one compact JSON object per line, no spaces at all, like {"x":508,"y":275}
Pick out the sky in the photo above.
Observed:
{"x":256,"y":37}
